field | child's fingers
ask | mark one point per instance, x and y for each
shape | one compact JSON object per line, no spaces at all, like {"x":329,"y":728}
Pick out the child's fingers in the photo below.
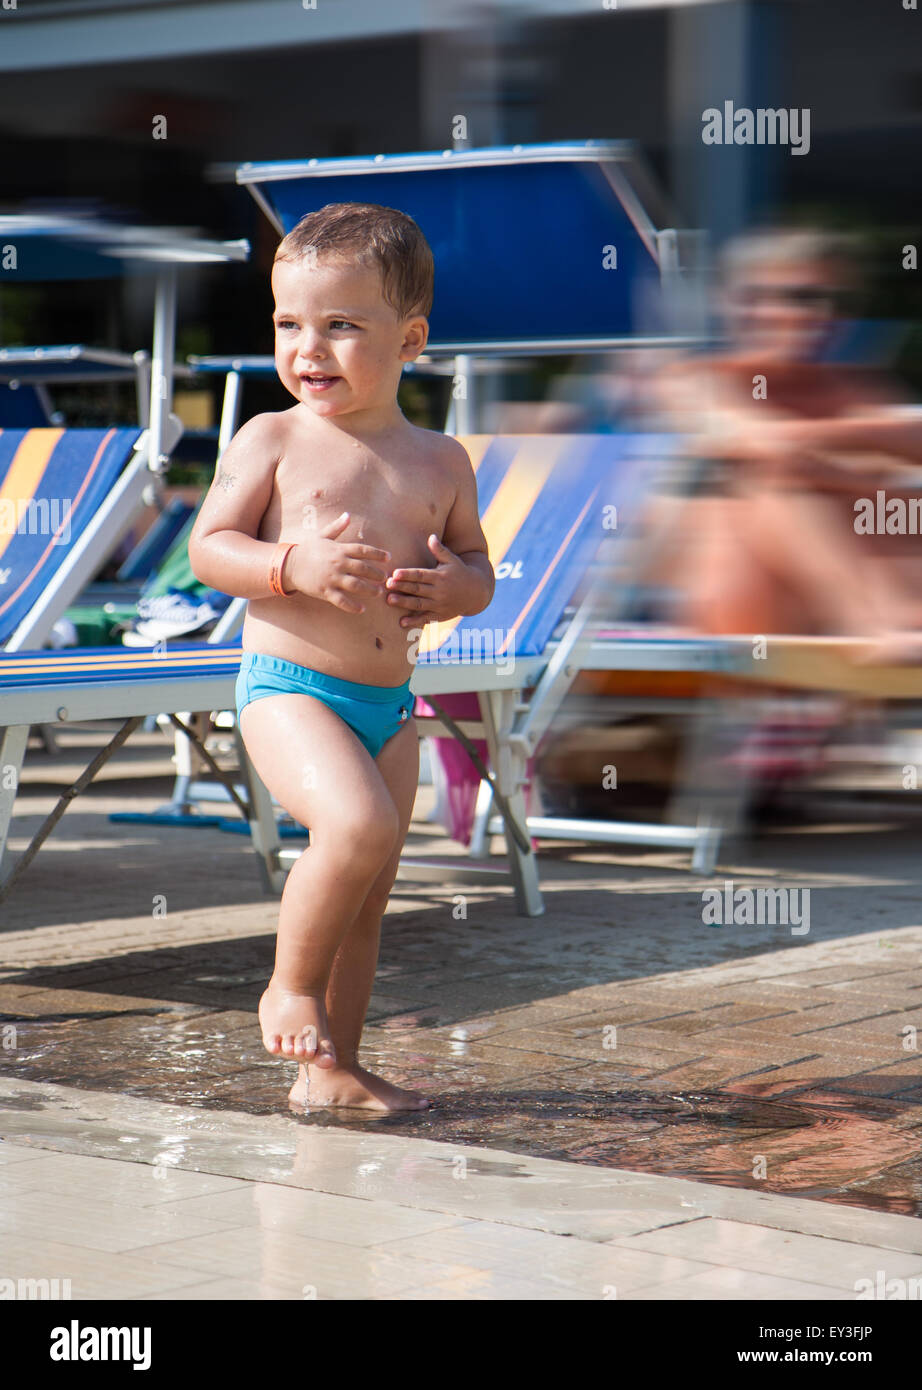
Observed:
{"x":356,"y":585}
{"x":336,"y":528}
{"x":416,"y":602}
{"x":340,"y":599}
{"x":360,"y":570}
{"x":410,"y":586}
{"x":371,"y":553}
{"x":419,"y":620}
{"x":414,"y":576}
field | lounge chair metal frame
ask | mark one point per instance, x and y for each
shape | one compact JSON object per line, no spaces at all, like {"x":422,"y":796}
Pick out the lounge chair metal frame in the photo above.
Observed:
{"x":63,"y":248}
{"x":76,"y":364}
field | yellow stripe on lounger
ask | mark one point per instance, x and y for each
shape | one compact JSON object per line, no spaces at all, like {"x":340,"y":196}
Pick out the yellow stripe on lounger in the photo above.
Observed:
{"x":536,"y":592}
{"x":514,"y":498}
{"x":26,"y":472}
{"x":120,"y":660}
{"x":74,"y":502}
{"x":476,"y":446}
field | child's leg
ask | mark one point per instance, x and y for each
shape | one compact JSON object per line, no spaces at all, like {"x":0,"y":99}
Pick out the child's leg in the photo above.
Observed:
{"x":353,"y":973}
{"x":318,"y":770}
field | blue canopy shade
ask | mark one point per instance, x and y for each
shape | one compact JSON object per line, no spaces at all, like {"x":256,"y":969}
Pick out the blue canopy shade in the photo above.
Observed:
{"x":38,"y":247}
{"x":532,"y":243}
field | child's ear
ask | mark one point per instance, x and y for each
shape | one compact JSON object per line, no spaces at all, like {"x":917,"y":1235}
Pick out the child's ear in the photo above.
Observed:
{"x":415,"y":338}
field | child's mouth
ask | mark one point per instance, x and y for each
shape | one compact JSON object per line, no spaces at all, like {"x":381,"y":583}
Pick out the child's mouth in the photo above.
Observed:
{"x":316,"y":382}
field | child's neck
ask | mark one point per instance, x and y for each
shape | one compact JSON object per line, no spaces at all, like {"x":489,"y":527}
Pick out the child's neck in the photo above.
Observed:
{"x":369,"y":425}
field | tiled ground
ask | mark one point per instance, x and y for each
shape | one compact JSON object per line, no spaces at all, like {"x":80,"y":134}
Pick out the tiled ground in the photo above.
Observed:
{"x":140,"y":1199}
{"x":616,"y":1031}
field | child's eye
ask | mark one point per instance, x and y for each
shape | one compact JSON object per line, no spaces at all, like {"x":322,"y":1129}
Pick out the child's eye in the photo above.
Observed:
{"x":341,"y":323}
{"x":284,"y":324}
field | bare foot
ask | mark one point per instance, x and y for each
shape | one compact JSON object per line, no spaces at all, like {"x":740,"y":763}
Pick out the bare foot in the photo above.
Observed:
{"x":352,"y":1086}
{"x":295,"y":1025}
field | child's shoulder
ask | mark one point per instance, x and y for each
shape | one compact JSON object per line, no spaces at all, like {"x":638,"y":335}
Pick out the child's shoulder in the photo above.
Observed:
{"x":271,"y":426}
{"x":263,"y":439}
{"x":442,"y":449}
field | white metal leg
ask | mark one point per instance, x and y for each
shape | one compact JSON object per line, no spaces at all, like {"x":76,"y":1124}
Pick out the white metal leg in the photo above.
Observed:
{"x":12,"y":752}
{"x":263,"y":829}
{"x":480,"y":839}
{"x":161,"y":377}
{"x":142,"y":387}
{"x":498,"y":709}
{"x":230,"y":411}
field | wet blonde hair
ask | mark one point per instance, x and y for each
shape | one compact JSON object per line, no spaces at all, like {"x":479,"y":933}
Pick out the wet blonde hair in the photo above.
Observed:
{"x":370,"y":235}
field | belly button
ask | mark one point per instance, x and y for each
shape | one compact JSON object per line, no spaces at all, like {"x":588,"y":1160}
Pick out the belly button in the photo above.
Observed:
{"x":379,"y":644}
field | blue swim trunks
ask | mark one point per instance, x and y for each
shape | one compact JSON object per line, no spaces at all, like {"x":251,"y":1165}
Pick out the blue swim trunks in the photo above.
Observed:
{"x":374,"y":713}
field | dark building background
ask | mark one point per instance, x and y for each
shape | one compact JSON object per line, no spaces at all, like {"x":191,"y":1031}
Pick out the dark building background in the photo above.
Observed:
{"x":81,"y":82}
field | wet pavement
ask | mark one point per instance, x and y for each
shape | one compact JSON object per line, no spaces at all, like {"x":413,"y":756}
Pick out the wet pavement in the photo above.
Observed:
{"x":122,"y":1197}
{"x":616,"y":1032}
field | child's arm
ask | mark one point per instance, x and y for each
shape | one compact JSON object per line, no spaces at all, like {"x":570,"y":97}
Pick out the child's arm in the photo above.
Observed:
{"x":224,"y":551}
{"x":462,"y":581}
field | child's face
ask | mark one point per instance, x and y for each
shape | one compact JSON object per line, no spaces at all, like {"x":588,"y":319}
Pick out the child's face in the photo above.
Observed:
{"x":339,"y":346}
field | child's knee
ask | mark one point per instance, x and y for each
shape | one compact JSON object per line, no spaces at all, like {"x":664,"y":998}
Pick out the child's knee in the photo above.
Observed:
{"x":366,"y":834}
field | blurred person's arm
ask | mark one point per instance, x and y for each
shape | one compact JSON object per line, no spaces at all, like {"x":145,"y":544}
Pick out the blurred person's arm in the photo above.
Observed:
{"x":883,"y":430}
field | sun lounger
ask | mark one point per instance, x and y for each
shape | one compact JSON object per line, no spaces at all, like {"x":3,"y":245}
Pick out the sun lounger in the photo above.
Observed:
{"x":66,"y":498}
{"x":62,"y":514}
{"x":100,"y":683}
{"x":594,"y":202}
{"x":79,"y":490}
{"x":543,"y":501}
{"x":27,"y":378}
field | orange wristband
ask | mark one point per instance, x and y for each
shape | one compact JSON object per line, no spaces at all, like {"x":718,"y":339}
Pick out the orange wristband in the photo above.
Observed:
{"x":277,"y":565}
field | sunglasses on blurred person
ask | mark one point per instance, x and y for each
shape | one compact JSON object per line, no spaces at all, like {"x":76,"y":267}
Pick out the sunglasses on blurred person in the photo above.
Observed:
{"x":826,"y":297}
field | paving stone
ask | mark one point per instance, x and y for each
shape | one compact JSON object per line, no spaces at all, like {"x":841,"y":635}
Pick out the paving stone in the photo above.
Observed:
{"x":163,"y":1009}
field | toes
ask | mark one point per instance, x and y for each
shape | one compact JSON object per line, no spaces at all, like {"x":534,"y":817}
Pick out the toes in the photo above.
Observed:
{"x":272,"y":1042}
{"x":306,"y":1042}
{"x":325,"y":1055}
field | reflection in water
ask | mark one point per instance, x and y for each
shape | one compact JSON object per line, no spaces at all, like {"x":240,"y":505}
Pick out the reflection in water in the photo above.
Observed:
{"x":837,"y":1147}
{"x":831,"y":1151}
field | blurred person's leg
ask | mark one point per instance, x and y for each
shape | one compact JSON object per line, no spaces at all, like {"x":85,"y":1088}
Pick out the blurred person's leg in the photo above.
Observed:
{"x":773,"y":561}
{"x":803,"y":541}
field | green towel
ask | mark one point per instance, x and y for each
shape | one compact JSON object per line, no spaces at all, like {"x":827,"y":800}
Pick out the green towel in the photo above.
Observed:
{"x":99,"y":626}
{"x":176,"y":572}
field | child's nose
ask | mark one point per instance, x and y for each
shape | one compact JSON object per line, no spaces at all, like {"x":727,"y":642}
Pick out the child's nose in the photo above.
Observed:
{"x":311,"y":346}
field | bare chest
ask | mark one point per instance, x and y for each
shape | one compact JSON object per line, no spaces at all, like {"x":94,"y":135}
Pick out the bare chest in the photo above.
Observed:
{"x":393,"y":503}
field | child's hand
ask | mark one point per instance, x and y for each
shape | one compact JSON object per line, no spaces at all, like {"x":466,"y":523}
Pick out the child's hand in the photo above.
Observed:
{"x":432,"y":595}
{"x":339,"y":572}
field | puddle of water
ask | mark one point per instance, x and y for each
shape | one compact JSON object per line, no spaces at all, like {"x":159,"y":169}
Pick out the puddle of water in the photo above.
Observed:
{"x":21,"y":1101}
{"x":829,"y":1152}
{"x":839,"y":1148}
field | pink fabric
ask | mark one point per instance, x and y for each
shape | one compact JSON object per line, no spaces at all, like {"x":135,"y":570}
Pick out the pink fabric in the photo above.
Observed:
{"x":461,"y":777}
